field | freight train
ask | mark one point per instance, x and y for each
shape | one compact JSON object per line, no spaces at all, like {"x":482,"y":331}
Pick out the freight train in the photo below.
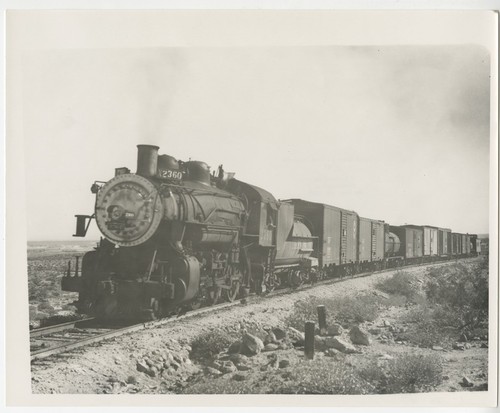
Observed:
{"x":176,"y":236}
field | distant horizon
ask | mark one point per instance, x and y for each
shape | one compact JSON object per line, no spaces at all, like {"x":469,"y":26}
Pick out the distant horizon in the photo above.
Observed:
{"x":482,"y":236}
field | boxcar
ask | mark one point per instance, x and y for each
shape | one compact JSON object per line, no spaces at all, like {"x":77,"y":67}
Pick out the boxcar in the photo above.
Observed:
{"x":411,"y":239}
{"x":475,"y":245}
{"x":456,"y":245}
{"x":444,"y":242}
{"x":337,"y":232}
{"x":371,"y":238}
{"x":430,"y":241}
{"x":464,"y":243}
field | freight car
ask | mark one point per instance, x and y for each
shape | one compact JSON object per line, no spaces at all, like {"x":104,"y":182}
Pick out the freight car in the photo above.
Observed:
{"x":177,"y":236}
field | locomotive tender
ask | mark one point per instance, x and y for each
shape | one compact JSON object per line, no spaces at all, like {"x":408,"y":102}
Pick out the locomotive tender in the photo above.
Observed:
{"x":175,"y":236}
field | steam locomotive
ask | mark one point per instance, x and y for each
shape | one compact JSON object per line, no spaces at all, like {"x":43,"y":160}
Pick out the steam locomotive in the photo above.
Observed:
{"x":176,"y":236}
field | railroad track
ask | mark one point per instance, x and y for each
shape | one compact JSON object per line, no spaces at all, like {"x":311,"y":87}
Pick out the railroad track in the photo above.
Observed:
{"x":60,"y":338}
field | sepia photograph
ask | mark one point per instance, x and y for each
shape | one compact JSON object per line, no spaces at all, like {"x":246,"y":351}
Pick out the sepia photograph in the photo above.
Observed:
{"x":253,"y":203}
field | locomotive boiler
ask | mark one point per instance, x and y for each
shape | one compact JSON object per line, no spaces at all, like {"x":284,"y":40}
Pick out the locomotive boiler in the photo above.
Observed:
{"x":175,"y":235}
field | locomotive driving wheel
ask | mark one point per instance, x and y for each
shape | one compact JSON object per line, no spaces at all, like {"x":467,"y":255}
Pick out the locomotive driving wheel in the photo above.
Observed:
{"x":232,"y":292}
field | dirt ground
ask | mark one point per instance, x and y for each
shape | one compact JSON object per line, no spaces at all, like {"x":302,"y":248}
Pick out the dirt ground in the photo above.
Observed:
{"x":120,"y":365}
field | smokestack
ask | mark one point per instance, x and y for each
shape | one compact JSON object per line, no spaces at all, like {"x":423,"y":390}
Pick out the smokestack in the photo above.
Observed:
{"x":147,"y":160}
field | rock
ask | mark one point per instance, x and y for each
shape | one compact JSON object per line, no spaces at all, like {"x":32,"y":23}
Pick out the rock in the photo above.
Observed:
{"x":386,"y":357}
{"x":298,"y":338}
{"x":437,"y":348}
{"x":334,"y":330}
{"x":341,"y":345}
{"x":227,"y":367}
{"x":279,"y":333}
{"x":463,"y":338}
{"x":359,"y":336}
{"x":243,"y":367}
{"x":283,"y":346}
{"x":217,"y":364}
{"x":213,"y":372}
{"x":331,"y":352}
{"x":238,"y":358}
{"x":270,"y":347}
{"x":466,"y":382}
{"x":251,"y":345}
{"x":152,"y":371}
{"x":284,"y":363}
{"x":131,"y":380}
{"x":319,"y":342}
{"x":375,"y":331}
{"x":270,"y":338}
{"x":484,"y":345}
{"x":386,"y":323}
{"x":381,"y":294}
{"x":235,"y":347}
{"x":446,"y":377}
{"x":459,"y":346}
{"x":141,"y":366}
{"x":273,"y":363}
{"x":239,"y":377}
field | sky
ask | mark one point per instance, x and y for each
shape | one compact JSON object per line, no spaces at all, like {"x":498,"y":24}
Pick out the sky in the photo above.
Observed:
{"x":398,"y":133}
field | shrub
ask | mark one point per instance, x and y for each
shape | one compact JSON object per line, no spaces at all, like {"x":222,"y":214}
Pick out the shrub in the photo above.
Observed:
{"x":208,"y":344}
{"x":343,"y":309}
{"x":375,"y":375}
{"x":323,"y":377}
{"x":401,"y":283}
{"x":462,"y":291}
{"x":428,"y":326}
{"x":413,"y":373}
{"x":222,"y":386}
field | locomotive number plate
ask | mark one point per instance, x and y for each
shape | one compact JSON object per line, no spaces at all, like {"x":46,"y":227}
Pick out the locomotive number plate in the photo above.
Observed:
{"x":169,"y":174}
